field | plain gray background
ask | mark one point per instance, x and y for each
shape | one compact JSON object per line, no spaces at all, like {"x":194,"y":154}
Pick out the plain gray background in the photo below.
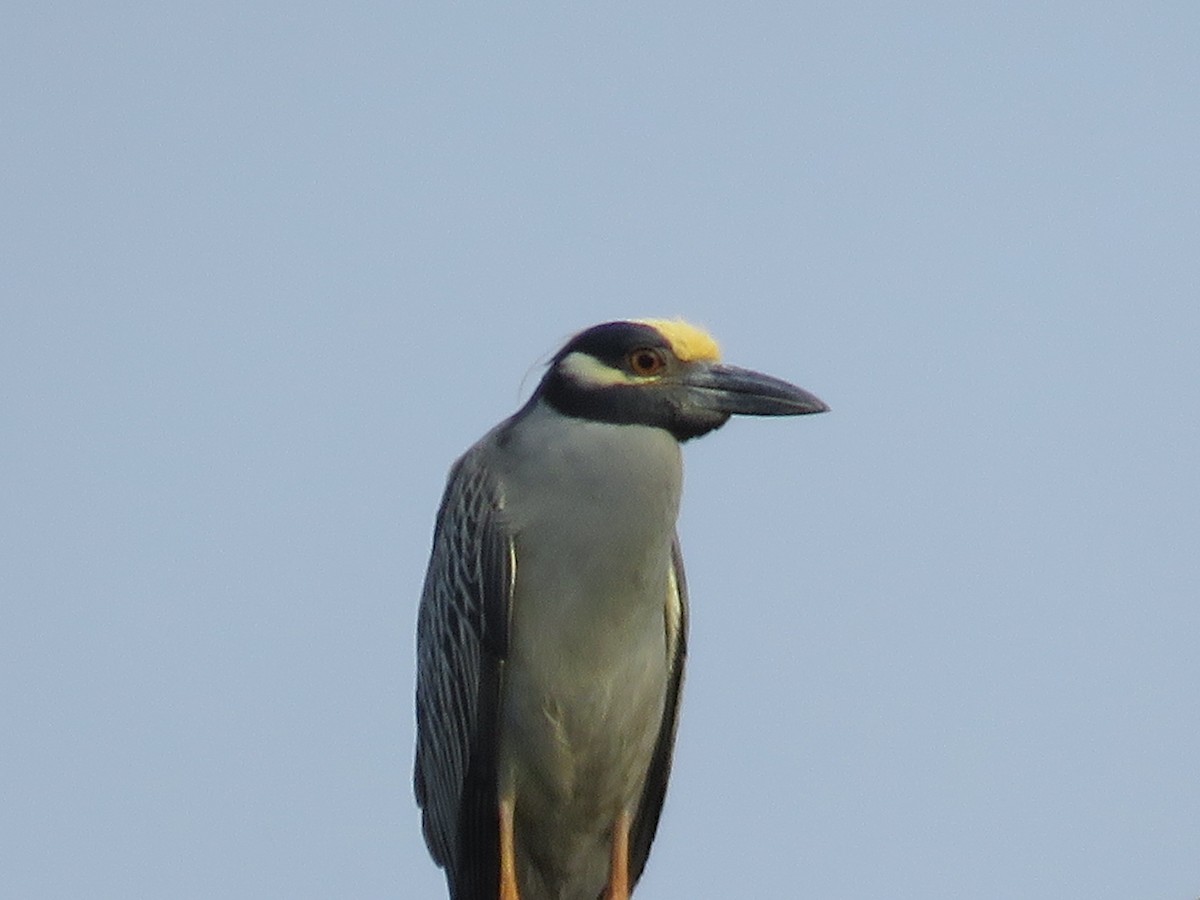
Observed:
{"x":268,"y":268}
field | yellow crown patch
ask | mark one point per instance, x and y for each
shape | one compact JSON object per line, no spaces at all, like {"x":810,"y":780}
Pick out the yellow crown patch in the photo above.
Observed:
{"x":688,"y":342}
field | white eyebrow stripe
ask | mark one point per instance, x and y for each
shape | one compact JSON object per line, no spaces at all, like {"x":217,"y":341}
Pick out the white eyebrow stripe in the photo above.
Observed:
{"x":586,"y":369}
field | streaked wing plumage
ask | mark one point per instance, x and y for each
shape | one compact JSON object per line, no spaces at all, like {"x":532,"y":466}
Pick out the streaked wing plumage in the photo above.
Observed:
{"x":462,"y":636}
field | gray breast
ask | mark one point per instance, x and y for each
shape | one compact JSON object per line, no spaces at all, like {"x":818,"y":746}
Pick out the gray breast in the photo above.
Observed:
{"x":593,"y":520}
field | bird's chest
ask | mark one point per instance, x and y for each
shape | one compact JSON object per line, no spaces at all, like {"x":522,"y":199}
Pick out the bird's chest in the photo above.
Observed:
{"x":586,"y":675}
{"x":587,"y":669}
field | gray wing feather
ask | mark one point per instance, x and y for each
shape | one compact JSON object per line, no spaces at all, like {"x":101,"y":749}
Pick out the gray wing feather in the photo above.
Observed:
{"x":650,"y":808}
{"x":462,"y":635}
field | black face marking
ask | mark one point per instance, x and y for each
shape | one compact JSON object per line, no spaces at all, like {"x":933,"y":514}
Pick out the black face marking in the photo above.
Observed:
{"x":611,"y":342}
{"x":656,"y":403}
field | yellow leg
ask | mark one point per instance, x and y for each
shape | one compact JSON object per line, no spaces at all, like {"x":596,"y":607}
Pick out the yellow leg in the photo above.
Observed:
{"x":508,"y":859}
{"x":618,"y":870}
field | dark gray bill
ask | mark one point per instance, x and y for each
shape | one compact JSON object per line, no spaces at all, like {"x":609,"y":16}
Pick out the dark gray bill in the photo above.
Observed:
{"x":729,"y":389}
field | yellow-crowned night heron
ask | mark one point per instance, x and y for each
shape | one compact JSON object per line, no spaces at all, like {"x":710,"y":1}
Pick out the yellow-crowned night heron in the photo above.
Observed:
{"x":551,"y":634}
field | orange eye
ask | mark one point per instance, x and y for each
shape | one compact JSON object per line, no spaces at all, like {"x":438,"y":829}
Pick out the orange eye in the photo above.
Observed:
{"x":646,"y":361}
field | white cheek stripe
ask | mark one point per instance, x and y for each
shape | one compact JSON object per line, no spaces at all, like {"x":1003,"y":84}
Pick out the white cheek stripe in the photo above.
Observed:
{"x":588,"y":370}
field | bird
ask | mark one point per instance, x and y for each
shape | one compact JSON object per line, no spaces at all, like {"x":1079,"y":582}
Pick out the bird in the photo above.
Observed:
{"x":552,"y":624}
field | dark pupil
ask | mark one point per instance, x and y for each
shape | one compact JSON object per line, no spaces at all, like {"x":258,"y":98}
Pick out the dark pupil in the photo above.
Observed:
{"x":645,"y":361}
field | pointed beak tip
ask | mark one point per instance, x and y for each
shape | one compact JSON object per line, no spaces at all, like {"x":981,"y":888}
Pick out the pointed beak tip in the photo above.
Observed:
{"x":804,"y":404}
{"x":737,"y":391}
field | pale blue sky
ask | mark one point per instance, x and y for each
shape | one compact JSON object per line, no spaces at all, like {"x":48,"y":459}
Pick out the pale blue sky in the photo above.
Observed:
{"x":267,"y":271}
